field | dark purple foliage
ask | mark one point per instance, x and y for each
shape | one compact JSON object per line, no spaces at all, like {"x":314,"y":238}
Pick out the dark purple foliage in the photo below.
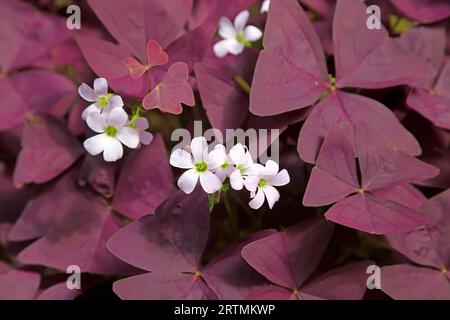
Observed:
{"x":362,"y":119}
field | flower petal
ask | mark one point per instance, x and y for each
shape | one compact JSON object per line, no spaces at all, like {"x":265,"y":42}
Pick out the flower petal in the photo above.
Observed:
{"x":145,"y":137}
{"x":270,"y":170}
{"x":86,"y":92}
{"x":226,"y":28}
{"x":221,"y":48}
{"x":101,"y":87}
{"x":199,"y":148}
{"x":92,"y":108}
{"x":235,"y":47}
{"x":188,"y":180}
{"x":272,"y":195}
{"x":252,"y":33}
{"x":181,"y":159}
{"x":265,"y":6}
{"x":281,"y":179}
{"x":142,"y":123}
{"x":251,"y":183}
{"x":221,"y":173}
{"x":236,"y":180}
{"x":95,"y":145}
{"x":115,"y":101}
{"x":241,"y":20}
{"x":96,"y":121}
{"x":237,"y":153}
{"x":113,"y":149}
{"x":215,"y":159}
{"x":210,"y":182}
{"x":117,"y":117}
{"x":129,"y":137}
{"x":258,"y":200}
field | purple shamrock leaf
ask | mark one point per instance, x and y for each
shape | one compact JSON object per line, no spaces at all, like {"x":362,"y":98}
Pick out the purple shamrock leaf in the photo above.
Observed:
{"x":152,"y":20}
{"x":12,"y":200}
{"x":429,"y":248}
{"x":364,"y":59}
{"x":26,"y":34}
{"x":169,"y":247}
{"x":72,"y":227}
{"x":334,"y":179}
{"x":145,"y":181}
{"x":424,"y":10}
{"x":133,"y":23}
{"x":281,"y":258}
{"x":172,"y":91}
{"x":48,"y":149}
{"x":19,"y":285}
{"x":33,"y":90}
{"x":226,"y":102}
{"x":431,"y":98}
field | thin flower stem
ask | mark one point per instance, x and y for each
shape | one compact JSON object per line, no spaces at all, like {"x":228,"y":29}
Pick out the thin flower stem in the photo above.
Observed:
{"x":255,"y":219}
{"x":231,"y":216}
{"x":242,"y":83}
{"x":148,"y":82}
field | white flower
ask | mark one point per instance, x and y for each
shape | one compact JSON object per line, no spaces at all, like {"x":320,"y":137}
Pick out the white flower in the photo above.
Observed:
{"x":265,"y":6}
{"x":113,"y":131}
{"x":244,"y":166}
{"x":236,"y":37}
{"x":102,"y":100}
{"x":141,"y":125}
{"x":227,"y":167}
{"x":262,"y":185}
{"x":200,"y":164}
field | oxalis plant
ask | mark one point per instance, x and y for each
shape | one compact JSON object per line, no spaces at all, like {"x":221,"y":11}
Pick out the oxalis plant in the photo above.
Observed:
{"x":351,"y":199}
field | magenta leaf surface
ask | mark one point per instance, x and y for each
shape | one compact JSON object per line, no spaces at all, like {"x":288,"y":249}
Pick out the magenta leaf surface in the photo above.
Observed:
{"x":431,"y":98}
{"x":28,"y":91}
{"x":133,"y":23}
{"x":146,"y":180}
{"x":280,"y":258}
{"x":26,"y":34}
{"x":381,"y":165}
{"x":172,"y":91}
{"x":72,"y":228}
{"x":48,"y":149}
{"x":424,"y":10}
{"x":170,"y":245}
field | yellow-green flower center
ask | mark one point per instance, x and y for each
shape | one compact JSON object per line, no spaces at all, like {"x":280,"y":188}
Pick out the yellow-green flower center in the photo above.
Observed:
{"x":225,"y":165}
{"x":103,"y":102}
{"x":262,"y":183}
{"x":111,"y":131}
{"x":241,"y":39}
{"x":201,"y":166}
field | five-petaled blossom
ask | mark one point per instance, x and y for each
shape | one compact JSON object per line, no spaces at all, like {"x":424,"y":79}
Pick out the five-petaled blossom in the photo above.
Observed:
{"x":102,"y":101}
{"x":262,"y":184}
{"x":265,"y":6}
{"x":200,"y":164}
{"x":236,"y":36}
{"x":113,"y":130}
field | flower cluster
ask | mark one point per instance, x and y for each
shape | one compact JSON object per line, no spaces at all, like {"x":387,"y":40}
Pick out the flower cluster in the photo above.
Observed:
{"x":213,"y":167}
{"x":106,"y":116}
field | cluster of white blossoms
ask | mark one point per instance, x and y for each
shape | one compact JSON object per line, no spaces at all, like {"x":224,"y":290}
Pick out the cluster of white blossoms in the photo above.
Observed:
{"x":213,"y":167}
{"x":107,"y":117}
